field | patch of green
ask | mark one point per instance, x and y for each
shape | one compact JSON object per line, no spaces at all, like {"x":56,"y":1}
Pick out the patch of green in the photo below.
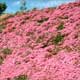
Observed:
{"x":58,"y":39}
{"x":60,"y":27}
{"x":21,"y":77}
{"x":7,"y":51}
{"x":1,"y":60}
{"x":1,"y":28}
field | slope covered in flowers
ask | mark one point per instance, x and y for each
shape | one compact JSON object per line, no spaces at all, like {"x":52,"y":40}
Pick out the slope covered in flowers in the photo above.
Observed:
{"x":41,"y":44}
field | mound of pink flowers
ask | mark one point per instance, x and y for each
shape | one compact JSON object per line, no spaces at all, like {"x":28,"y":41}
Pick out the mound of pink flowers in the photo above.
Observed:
{"x":41,"y":44}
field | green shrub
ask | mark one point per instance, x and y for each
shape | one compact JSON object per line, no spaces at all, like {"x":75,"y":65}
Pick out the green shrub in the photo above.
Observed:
{"x":2,"y":7}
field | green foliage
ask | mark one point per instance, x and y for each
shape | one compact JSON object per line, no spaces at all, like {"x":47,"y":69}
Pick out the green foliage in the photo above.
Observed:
{"x":21,"y":77}
{"x":7,"y":51}
{"x":2,"y":7}
{"x":60,"y":27}
{"x":1,"y":28}
{"x":58,"y":39}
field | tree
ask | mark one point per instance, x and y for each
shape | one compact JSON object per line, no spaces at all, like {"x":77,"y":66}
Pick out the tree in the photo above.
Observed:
{"x":3,"y":7}
{"x":23,"y":5}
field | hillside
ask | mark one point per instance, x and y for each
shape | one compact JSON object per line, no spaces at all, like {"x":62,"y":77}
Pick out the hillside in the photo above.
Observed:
{"x":41,"y":44}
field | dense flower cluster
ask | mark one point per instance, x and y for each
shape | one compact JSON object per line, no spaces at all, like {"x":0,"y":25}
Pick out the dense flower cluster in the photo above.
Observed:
{"x":41,"y":45}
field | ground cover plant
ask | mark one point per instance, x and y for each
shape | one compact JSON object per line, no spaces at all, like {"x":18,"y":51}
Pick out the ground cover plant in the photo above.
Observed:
{"x":41,"y":44}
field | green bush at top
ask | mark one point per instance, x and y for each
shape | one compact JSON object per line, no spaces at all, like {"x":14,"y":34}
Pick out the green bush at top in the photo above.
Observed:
{"x":3,"y":7}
